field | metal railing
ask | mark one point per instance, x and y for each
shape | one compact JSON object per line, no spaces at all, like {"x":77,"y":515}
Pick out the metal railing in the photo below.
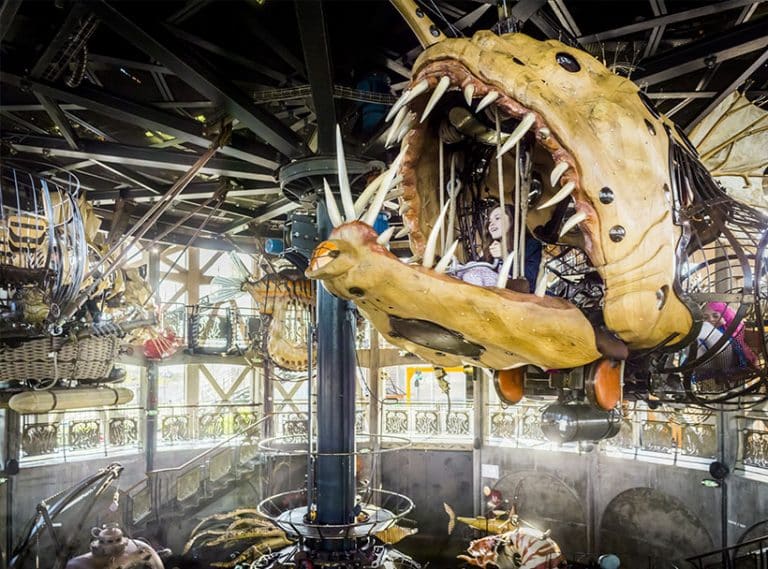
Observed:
{"x":676,"y":434}
{"x":749,"y":554}
{"x":66,"y":434}
{"x":429,"y":421}
{"x":170,"y":490}
{"x":185,"y":425}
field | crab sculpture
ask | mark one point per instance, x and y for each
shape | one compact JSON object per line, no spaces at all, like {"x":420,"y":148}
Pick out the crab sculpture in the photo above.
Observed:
{"x":603,"y":176}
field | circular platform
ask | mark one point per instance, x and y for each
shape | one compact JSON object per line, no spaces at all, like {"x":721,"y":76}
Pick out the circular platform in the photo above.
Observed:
{"x":288,"y":512}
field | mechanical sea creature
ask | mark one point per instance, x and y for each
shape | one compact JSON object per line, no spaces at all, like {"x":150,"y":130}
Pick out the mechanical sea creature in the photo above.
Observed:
{"x":638,"y":239}
{"x":522,"y":548}
{"x":285,"y":302}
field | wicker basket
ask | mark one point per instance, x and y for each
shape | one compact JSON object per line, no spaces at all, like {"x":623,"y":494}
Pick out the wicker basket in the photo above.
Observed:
{"x":58,"y":357}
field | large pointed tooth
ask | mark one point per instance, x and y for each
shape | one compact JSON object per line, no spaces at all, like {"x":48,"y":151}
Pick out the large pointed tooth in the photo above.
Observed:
{"x":344,"y":188}
{"x":399,"y":104}
{"x":437,"y":94}
{"x":557,"y":171}
{"x":408,"y":96}
{"x":429,"y":250}
{"x":518,"y":133}
{"x":330,"y":205}
{"x":386,"y":185}
{"x":368,"y":192}
{"x":390,"y":205}
{"x":442,"y":266}
{"x":395,"y":127}
{"x":564,"y":192}
{"x":572,"y":222}
{"x":469,"y":93}
{"x":417,"y":90}
{"x":397,"y":192}
{"x":501,"y":282}
{"x":487,"y":100}
{"x":406,"y":126}
{"x":404,"y":208}
{"x":385,"y":236}
{"x":403,"y":232}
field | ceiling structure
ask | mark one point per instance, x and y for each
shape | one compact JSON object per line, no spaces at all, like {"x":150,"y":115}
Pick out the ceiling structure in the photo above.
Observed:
{"x":125,"y":96}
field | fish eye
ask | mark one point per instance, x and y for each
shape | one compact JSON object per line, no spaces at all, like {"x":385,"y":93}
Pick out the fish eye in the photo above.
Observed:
{"x":568,"y":62}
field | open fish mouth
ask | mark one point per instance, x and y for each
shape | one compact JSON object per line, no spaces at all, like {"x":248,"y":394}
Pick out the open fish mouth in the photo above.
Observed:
{"x":498,"y":132}
{"x":585,"y":162}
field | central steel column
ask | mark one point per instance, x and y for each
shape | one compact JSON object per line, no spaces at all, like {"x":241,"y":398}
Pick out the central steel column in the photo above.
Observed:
{"x":335,"y":406}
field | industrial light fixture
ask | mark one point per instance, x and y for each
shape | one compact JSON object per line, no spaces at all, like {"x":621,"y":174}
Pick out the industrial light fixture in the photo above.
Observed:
{"x":719,"y":472}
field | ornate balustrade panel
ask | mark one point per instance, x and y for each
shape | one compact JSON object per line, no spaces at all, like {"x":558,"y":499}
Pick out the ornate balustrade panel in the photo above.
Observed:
{"x":755,"y":448}
{"x":84,"y":434}
{"x":197,"y":424}
{"x":40,"y":439}
{"x":58,"y":434}
{"x":175,"y":428}
{"x":123,"y":431}
{"x":516,"y":424}
{"x":436,"y":422}
{"x":679,"y":432}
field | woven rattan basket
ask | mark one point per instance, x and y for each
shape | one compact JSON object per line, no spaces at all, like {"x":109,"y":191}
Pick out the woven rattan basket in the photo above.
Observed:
{"x":58,"y":357}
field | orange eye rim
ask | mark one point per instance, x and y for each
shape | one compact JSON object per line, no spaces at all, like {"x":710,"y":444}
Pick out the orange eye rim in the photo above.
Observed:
{"x":323,"y":254}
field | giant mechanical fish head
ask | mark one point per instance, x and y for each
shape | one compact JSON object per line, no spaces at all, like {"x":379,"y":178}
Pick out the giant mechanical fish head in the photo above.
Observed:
{"x":601,"y":154}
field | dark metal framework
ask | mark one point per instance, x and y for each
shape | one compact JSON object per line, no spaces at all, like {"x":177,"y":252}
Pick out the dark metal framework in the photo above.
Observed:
{"x":121,"y":96}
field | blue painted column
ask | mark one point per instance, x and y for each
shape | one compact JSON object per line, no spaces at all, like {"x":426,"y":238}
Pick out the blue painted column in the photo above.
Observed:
{"x":335,"y":406}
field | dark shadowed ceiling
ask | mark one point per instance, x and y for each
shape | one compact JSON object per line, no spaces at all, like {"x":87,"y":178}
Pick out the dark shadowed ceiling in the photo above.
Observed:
{"x":127,"y":95}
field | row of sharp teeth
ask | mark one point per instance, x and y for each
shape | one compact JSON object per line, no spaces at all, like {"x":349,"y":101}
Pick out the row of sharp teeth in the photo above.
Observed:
{"x":405,"y":119}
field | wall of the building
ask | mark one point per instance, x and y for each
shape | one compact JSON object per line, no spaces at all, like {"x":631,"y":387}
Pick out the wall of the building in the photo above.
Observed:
{"x":593,"y":503}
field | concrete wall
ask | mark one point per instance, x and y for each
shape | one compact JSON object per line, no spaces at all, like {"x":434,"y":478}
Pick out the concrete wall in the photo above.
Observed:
{"x":645,"y":512}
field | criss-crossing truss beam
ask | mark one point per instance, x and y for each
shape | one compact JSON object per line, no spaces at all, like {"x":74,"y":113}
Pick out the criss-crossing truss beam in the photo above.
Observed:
{"x":139,"y":156}
{"x":703,"y":53}
{"x":667,"y":19}
{"x":146,"y":117}
{"x":754,"y":66}
{"x":7,"y":14}
{"x":162,"y":45}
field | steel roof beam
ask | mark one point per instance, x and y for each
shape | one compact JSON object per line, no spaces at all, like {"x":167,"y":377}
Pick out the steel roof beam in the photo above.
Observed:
{"x":61,"y":38}
{"x":683,"y":16}
{"x":703,"y":53}
{"x":264,"y":214}
{"x":314,"y":41}
{"x":149,"y":118}
{"x":659,"y":9}
{"x":743,"y":76}
{"x":23,"y":122}
{"x":140,"y":156}
{"x":26,"y":108}
{"x":7,"y":13}
{"x":162,"y":45}
{"x":194,"y":189}
{"x":58,"y":118}
{"x":244,"y":62}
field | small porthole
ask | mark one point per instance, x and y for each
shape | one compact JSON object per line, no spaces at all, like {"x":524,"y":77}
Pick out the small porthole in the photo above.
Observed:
{"x":568,"y":62}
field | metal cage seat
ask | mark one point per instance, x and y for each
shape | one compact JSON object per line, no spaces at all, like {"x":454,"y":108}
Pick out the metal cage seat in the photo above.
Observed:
{"x":721,"y":273}
{"x":42,"y":251}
